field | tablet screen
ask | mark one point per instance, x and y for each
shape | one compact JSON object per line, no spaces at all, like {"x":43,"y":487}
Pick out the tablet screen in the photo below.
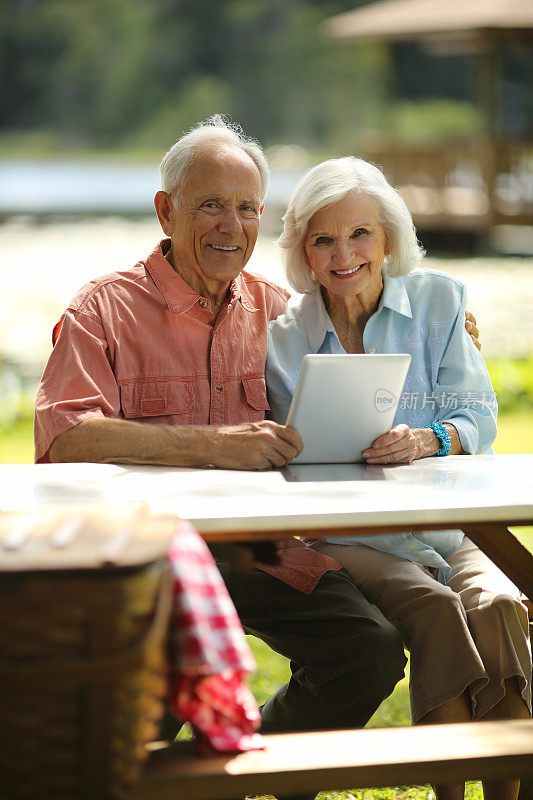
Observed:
{"x":343,"y":402}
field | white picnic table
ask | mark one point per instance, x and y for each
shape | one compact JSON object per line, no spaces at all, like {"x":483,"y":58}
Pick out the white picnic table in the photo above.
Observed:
{"x":481,"y":494}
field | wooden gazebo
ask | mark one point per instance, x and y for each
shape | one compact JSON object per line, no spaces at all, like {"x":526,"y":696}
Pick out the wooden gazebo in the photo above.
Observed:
{"x":471,"y":184}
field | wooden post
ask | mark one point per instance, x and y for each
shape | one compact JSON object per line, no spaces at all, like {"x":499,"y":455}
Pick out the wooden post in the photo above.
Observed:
{"x":490,"y":100}
{"x":499,"y":544}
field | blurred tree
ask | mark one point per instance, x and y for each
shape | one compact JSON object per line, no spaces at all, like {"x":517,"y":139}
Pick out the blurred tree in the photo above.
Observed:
{"x":83,"y":67}
{"x":197,"y":98}
{"x":101,"y":79}
{"x":26,"y":48}
{"x":283,"y":79}
{"x":139,"y":72}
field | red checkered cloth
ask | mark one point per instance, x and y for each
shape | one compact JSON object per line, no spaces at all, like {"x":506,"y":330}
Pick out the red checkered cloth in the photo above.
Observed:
{"x":210,"y":657}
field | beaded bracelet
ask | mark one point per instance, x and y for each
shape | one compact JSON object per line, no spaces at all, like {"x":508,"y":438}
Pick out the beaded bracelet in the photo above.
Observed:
{"x":444,"y":438}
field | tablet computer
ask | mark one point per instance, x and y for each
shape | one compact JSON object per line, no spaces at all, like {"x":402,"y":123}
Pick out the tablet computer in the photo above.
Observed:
{"x":343,"y":402}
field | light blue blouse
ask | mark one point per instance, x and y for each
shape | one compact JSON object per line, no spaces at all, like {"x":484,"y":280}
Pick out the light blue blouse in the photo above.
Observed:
{"x":422,"y":314}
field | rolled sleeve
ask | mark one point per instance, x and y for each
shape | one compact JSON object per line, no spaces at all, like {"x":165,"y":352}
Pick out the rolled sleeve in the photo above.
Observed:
{"x":78,"y":382}
{"x":467,"y":399}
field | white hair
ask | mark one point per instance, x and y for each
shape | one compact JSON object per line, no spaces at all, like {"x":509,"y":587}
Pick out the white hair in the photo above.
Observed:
{"x":177,"y":160}
{"x":326,"y":184}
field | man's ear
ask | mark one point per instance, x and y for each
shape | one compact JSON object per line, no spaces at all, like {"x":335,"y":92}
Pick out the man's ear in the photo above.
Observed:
{"x":388,"y":248}
{"x":163,"y":209}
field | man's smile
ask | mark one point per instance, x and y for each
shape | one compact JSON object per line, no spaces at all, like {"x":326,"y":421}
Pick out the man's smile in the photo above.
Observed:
{"x":224,"y":249}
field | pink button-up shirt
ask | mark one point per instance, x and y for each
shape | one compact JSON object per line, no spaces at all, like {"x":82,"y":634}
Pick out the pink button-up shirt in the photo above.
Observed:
{"x":142,"y":345}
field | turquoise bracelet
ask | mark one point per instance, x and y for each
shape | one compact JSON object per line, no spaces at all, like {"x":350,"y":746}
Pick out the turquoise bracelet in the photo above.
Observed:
{"x":444,"y":438}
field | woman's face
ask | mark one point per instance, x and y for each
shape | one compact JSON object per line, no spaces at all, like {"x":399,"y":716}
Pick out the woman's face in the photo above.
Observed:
{"x":345,"y":246}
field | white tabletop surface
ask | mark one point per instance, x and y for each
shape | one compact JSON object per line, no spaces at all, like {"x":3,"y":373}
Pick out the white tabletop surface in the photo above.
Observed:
{"x":454,"y":490}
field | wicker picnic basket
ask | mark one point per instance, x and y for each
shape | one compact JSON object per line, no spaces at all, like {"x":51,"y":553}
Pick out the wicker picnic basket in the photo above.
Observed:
{"x":84,"y":608}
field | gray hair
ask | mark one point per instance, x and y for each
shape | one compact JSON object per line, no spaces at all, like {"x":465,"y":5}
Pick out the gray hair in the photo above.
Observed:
{"x":217,"y":128}
{"x":326,"y":184}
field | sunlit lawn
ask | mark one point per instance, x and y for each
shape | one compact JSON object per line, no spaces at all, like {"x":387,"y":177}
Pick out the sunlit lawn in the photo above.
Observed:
{"x":16,"y":442}
{"x":515,"y":436}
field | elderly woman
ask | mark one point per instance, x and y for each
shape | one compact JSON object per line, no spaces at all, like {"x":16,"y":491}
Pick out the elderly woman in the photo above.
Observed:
{"x":350,"y":247}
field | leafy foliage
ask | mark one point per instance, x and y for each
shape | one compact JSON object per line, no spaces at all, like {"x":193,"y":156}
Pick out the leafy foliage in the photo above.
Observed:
{"x":137,"y":73}
{"x":512,"y":379}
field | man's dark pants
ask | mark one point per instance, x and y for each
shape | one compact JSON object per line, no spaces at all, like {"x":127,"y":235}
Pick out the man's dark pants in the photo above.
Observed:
{"x":345,"y":656}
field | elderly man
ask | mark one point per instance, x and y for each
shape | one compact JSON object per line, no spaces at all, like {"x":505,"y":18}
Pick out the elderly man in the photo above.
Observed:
{"x":163,"y":363}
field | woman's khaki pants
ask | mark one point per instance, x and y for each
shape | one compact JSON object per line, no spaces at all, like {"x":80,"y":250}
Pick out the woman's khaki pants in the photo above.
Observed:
{"x":470,"y":634}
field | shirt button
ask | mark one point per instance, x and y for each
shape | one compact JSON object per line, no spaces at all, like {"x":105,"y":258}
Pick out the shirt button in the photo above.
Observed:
{"x":218,"y":389}
{"x":202,"y":303}
{"x":372,"y":349}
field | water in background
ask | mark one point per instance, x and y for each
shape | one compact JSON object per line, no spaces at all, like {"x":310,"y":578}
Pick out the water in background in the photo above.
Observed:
{"x":66,"y":186}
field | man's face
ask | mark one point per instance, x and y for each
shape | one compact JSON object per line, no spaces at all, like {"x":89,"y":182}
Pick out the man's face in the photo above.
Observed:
{"x":214,"y":219}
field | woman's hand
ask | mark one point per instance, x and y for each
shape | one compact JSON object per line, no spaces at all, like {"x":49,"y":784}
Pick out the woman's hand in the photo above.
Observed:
{"x":401,"y":445}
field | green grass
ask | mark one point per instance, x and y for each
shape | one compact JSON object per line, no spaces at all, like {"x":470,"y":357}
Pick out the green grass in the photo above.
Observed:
{"x":16,"y":442}
{"x":473,"y":792}
{"x":515,"y":436}
{"x":515,"y":432}
{"x":47,"y":144}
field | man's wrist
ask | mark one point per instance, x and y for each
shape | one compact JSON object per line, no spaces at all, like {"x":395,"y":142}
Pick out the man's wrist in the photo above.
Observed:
{"x":194,"y":446}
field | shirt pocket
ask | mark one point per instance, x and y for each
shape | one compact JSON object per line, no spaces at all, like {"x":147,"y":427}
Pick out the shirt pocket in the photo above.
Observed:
{"x":256,"y":398}
{"x":155,"y":398}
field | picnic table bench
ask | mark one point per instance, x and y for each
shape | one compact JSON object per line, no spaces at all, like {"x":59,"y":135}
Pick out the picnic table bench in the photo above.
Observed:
{"x":299,"y":763}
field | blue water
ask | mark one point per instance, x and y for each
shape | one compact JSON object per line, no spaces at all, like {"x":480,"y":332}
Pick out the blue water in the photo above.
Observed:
{"x":74,"y":187}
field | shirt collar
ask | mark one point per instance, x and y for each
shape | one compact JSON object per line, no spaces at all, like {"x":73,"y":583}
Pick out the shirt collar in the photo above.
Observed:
{"x":178,"y":295}
{"x":395,"y":296}
{"x":318,"y":323}
{"x":240,"y":291}
{"x":316,"y":319}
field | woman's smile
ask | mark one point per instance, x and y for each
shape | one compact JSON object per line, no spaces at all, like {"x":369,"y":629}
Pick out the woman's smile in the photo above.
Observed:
{"x":346,"y":273}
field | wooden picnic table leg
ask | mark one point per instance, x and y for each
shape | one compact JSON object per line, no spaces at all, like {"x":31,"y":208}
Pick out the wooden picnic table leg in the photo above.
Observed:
{"x":502,"y":547}
{"x":510,"y":555}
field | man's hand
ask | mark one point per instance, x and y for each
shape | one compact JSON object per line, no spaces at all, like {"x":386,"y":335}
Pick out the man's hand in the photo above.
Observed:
{"x":471,"y":328}
{"x":255,"y":445}
{"x":252,"y":445}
